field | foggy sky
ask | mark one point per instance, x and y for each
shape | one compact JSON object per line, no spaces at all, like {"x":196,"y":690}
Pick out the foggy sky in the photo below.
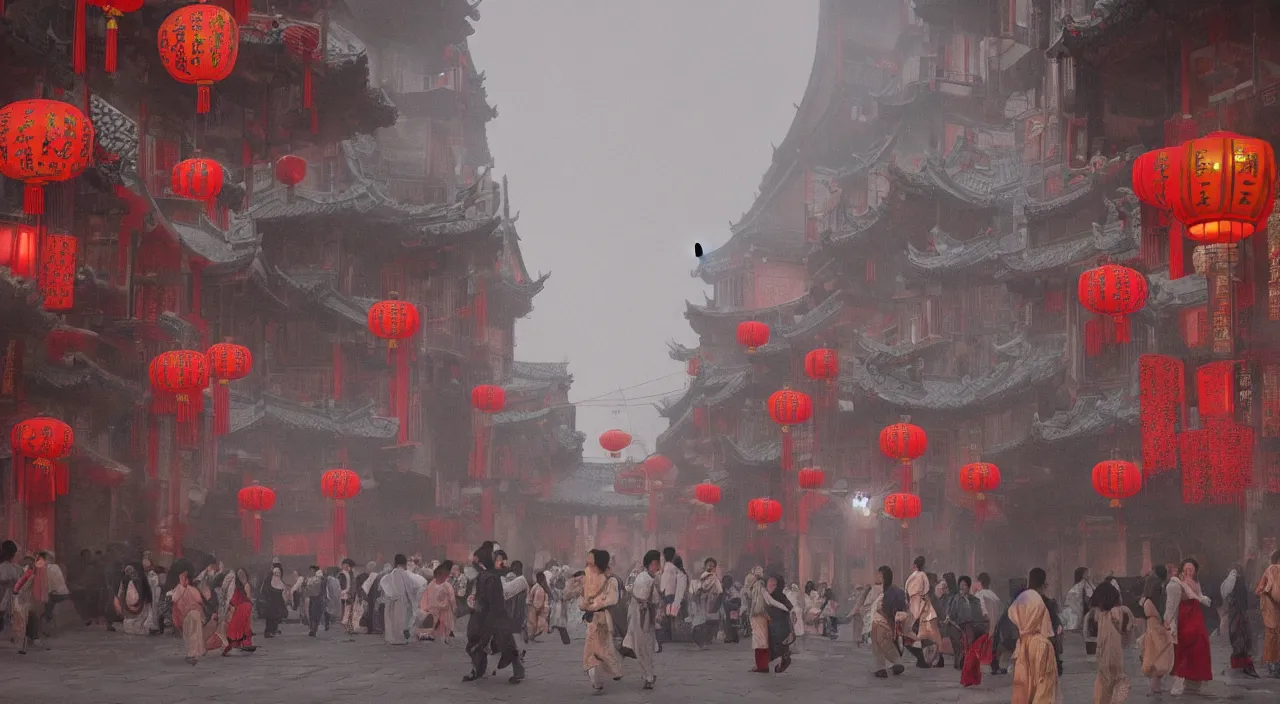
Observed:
{"x":629,"y":131}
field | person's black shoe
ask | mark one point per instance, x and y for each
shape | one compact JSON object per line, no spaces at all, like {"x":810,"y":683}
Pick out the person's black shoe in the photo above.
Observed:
{"x":472,"y":676}
{"x":1249,"y":671}
{"x":882,"y":674}
{"x":517,"y":673}
{"x":898,"y":669}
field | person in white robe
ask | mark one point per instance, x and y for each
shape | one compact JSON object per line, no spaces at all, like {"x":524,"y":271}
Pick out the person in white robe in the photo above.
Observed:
{"x":400,"y":588}
{"x":642,"y":615}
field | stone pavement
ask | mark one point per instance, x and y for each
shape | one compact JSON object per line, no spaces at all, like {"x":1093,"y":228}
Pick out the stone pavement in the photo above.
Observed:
{"x":93,"y":666}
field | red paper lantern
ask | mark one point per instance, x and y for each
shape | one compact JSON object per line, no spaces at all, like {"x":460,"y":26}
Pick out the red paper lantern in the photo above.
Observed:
{"x":256,"y":499}
{"x":394,"y":320}
{"x":708,"y":494}
{"x":43,"y":443}
{"x":903,"y":441}
{"x":979,"y":477}
{"x":788,"y":408}
{"x":615,"y":441}
{"x":112,"y":10}
{"x":302,"y":41}
{"x":752,"y":335}
{"x":1226,"y":187}
{"x":657,"y":469}
{"x":1116,"y":291}
{"x":57,"y":279}
{"x":227,"y":363}
{"x":488,"y":398}
{"x":811,"y":478}
{"x":822,"y":364}
{"x":198,"y":46}
{"x":182,"y":373}
{"x":340,"y":485}
{"x":1116,"y":480}
{"x":43,"y":141}
{"x":1156,"y":174}
{"x":764,"y":511}
{"x":903,"y":506}
{"x":291,"y":170}
{"x":197,"y":179}
{"x":1215,"y":389}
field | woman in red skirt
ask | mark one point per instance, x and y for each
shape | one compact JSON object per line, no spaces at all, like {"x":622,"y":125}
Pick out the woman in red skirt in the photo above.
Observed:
{"x":1191,"y":666}
{"x":240,"y":623}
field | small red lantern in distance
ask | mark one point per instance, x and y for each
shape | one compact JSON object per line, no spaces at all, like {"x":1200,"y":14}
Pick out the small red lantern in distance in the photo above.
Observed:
{"x":788,"y":408}
{"x":255,"y":499}
{"x":1226,"y":187}
{"x":811,"y":478}
{"x":393,"y":320}
{"x":902,"y":506}
{"x":488,"y":398}
{"x":1157,"y":173}
{"x":708,"y":494}
{"x":979,"y":477}
{"x":764,"y":511}
{"x":291,"y":170}
{"x":822,"y":364}
{"x":615,"y":441}
{"x":753,"y":334}
{"x":1113,"y":290}
{"x":1116,"y":480}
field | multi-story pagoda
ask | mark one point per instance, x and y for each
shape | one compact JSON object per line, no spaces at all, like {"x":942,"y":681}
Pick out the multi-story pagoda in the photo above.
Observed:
{"x":952,"y":169}
{"x":385,"y":107}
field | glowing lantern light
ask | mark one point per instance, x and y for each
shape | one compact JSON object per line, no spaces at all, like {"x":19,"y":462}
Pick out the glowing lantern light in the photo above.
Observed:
{"x":788,"y":408}
{"x":707,"y":494}
{"x":1156,"y":174}
{"x":394,"y":320}
{"x":1226,"y":187}
{"x":905,"y":443}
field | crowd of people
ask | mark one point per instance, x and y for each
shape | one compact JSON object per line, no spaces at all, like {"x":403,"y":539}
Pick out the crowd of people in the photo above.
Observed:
{"x":490,"y":600}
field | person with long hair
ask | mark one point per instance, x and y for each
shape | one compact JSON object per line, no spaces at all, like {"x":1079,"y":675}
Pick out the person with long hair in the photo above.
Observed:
{"x":1268,"y":591}
{"x":1235,"y":597}
{"x":1191,"y":662}
{"x":538,"y":607}
{"x":599,"y":592}
{"x":240,"y":621}
{"x":135,"y":602}
{"x":272,"y":604}
{"x":1111,"y":620}
{"x":781,"y":636}
{"x":1157,"y":644}
{"x":889,"y":612}
{"x":1035,"y":671}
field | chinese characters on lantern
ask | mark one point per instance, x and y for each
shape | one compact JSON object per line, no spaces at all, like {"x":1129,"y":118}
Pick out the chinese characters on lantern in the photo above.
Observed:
{"x":57,"y":279}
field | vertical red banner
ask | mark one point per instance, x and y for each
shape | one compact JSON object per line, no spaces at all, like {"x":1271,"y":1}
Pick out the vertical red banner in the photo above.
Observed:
{"x":57,"y":278}
{"x":1160,"y":396}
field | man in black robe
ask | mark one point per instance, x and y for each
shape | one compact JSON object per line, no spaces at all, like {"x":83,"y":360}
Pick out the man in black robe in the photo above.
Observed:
{"x":490,"y":626}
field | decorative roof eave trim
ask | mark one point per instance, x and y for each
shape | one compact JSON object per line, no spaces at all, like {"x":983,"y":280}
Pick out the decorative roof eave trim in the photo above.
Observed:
{"x":359,"y":423}
{"x":1107,"y":21}
{"x":763,"y":455}
{"x":1090,"y":416}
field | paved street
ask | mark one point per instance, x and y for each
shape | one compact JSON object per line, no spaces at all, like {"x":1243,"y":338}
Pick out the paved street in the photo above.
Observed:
{"x":104,"y":668}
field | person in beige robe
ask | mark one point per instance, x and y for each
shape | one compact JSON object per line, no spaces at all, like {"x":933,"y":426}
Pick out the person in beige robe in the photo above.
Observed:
{"x":1157,"y":644}
{"x":537,"y":608}
{"x":922,"y":615}
{"x":599,"y":593}
{"x":1035,"y":672}
{"x":1111,"y":620}
{"x":188,"y":617}
{"x":1268,"y":592}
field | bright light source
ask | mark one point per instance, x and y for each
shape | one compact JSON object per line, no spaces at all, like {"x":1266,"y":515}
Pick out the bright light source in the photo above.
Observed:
{"x":860,"y":500}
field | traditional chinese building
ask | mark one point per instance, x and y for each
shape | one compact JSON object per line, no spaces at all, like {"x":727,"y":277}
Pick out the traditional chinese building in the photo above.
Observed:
{"x":385,"y":114}
{"x":951,"y":171}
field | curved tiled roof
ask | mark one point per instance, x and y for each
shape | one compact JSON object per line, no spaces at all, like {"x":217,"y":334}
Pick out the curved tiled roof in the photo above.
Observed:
{"x":1089,"y":416}
{"x":591,"y":486}
{"x":359,"y":423}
